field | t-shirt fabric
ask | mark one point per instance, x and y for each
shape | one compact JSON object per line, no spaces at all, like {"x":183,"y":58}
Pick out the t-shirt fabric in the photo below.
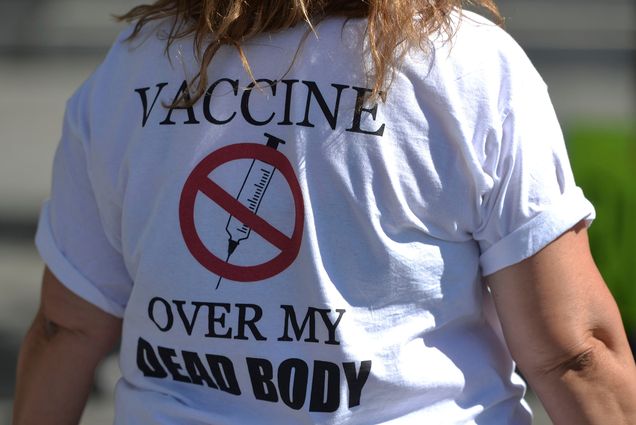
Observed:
{"x":286,"y":251}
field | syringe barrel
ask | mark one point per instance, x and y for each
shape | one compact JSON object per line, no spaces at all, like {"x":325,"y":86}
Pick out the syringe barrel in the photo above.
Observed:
{"x":254,"y":186}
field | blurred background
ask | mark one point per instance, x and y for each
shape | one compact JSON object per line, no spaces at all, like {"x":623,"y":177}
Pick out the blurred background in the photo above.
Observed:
{"x":585,"y":50}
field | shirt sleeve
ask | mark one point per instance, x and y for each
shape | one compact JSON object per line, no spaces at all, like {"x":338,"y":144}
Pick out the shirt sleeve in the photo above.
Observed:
{"x":532,"y":197}
{"x":71,"y":238}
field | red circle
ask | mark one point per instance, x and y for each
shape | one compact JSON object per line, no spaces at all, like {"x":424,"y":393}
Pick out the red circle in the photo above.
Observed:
{"x":198,"y":181}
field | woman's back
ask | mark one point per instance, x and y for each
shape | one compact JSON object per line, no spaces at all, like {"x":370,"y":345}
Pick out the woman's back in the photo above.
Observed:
{"x":287,"y":250}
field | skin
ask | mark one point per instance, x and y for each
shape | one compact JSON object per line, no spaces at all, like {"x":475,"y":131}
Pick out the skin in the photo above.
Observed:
{"x":560,"y":322}
{"x":59,"y":355}
{"x":565,"y":332}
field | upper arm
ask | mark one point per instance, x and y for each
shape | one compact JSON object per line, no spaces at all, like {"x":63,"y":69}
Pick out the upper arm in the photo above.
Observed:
{"x":58,"y":356}
{"x":553,"y":305}
{"x":63,"y":311}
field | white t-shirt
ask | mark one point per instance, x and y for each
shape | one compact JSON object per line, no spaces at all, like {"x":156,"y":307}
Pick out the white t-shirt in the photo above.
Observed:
{"x":281,"y":256}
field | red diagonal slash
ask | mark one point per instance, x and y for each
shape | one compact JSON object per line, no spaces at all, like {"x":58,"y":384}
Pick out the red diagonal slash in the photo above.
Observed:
{"x":244,"y":215}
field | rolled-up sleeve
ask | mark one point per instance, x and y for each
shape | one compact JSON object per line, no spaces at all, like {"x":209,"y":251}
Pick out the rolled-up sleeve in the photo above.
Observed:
{"x":71,"y":237}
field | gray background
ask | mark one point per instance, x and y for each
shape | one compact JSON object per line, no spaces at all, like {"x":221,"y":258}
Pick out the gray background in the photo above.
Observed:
{"x":584,"y":49}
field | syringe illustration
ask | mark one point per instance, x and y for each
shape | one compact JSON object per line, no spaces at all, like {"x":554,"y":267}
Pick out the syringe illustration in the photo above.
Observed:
{"x":251,"y":194}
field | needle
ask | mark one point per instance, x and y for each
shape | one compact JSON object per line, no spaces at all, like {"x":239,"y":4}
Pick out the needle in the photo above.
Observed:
{"x":221,"y":277}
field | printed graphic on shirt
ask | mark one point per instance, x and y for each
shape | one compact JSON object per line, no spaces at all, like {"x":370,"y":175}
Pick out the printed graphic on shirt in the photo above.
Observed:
{"x":299,"y":383}
{"x":319,"y":104}
{"x":241,"y":216}
{"x":242,"y":210}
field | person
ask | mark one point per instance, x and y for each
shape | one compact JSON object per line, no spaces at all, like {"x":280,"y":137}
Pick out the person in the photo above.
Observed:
{"x":331,"y":212}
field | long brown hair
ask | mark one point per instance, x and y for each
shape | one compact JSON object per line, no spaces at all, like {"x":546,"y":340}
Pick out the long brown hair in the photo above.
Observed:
{"x":393,"y":25}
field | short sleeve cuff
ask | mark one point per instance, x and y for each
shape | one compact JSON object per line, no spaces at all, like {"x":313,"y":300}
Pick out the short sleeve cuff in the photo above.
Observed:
{"x":65,"y":272}
{"x":538,"y":232}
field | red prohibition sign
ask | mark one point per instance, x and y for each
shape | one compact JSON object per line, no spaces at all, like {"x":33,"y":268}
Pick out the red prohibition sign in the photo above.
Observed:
{"x":198,"y":181}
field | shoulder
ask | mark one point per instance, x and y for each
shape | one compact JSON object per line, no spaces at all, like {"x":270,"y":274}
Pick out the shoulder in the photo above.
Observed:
{"x":484,"y":54}
{"x":476,"y":66}
{"x":474,"y":36}
{"x":131,"y":51}
{"x":129,"y":63}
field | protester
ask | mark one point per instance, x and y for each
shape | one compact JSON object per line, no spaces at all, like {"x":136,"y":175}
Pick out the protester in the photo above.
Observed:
{"x":329,"y":212}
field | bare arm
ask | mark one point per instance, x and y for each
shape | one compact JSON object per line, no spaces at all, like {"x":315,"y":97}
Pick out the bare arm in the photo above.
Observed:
{"x":565,"y":332}
{"x":58,"y":357}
